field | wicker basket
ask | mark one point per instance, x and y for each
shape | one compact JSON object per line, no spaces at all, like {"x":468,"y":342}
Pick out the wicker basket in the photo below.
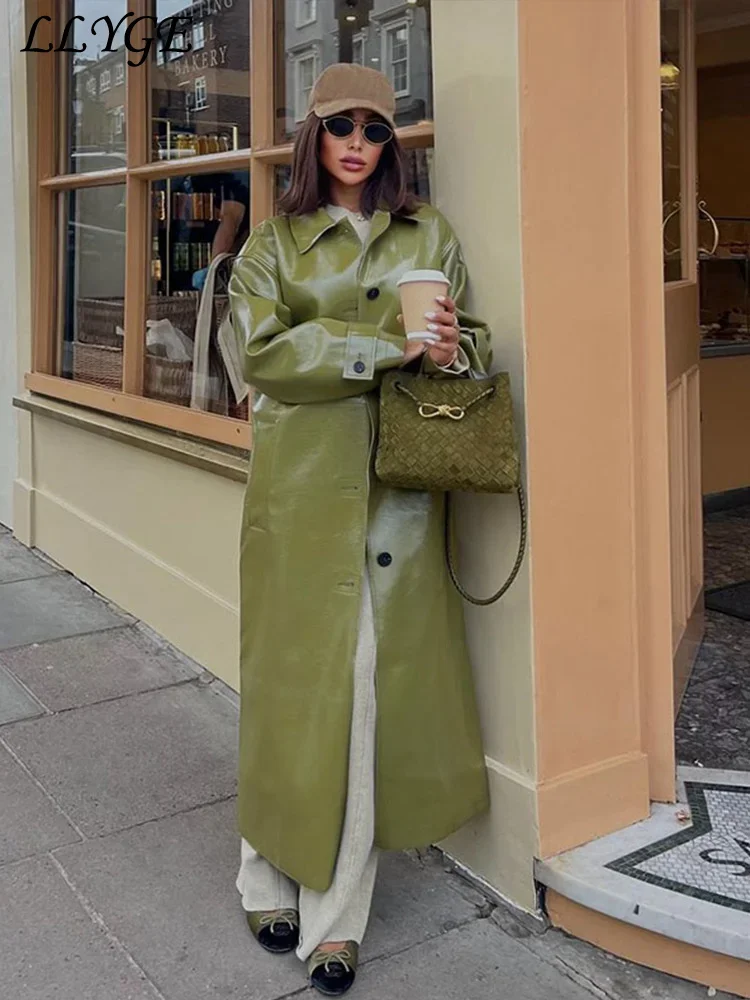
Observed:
{"x":98,"y":319}
{"x":167,"y":381}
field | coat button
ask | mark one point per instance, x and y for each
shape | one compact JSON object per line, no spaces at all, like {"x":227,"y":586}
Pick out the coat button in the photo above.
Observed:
{"x":373,"y":294}
{"x":385,"y":559}
{"x":359,"y":367}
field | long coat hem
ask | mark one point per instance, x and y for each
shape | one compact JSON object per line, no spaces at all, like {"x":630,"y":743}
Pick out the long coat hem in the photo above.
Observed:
{"x":305,"y":875}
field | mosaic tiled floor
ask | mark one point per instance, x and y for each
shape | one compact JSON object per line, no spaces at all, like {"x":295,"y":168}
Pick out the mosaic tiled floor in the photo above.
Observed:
{"x":713,"y":726}
{"x":710,"y":859}
{"x":684,"y":872}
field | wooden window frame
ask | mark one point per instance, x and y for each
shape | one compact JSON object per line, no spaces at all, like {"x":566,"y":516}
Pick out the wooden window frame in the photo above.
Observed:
{"x":264,"y":155}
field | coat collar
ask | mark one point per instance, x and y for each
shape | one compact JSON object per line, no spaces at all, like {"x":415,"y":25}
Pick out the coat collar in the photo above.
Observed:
{"x":307,"y":229}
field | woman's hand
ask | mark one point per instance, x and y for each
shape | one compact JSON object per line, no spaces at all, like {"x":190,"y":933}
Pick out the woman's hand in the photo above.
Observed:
{"x":413,"y":347}
{"x":444,"y":322}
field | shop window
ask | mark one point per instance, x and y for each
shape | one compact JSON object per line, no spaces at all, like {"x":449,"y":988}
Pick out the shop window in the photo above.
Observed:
{"x":361,"y":31}
{"x":216,"y":76}
{"x":396,"y":44}
{"x":194,"y":218}
{"x":128,"y":346}
{"x":89,"y":141}
{"x":672,"y":29}
{"x":93,"y":285}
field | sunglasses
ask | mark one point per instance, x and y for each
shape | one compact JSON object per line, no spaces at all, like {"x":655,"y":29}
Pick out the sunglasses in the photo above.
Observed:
{"x":341,"y":127}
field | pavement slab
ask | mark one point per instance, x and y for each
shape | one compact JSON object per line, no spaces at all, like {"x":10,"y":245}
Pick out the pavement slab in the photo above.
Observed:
{"x":29,"y":822}
{"x":413,"y":903}
{"x":123,"y":762}
{"x":19,"y":563}
{"x":15,"y":701}
{"x":85,"y":669}
{"x":166,"y":890}
{"x":470,"y":963}
{"x":51,"y":948}
{"x":50,"y":608}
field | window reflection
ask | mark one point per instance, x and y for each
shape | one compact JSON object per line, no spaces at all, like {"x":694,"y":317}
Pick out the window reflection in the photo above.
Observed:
{"x":201,"y":80}
{"x":94,"y":286}
{"x":96,"y":137}
{"x":671,"y":142}
{"x":394,"y":38}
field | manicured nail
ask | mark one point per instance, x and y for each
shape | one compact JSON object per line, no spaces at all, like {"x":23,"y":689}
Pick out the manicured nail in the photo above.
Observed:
{"x":429,"y":315}
{"x":441,"y":299}
{"x":433,"y":327}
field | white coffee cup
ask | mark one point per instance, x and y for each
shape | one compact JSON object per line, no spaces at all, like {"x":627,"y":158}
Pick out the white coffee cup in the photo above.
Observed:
{"x":419,"y":290}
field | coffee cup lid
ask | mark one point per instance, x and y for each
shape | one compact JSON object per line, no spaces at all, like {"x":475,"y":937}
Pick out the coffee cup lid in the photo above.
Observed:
{"x":412,"y":276}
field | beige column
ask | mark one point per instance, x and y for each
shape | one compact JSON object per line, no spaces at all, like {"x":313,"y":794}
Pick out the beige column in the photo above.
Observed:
{"x":475,"y":60}
{"x":596,"y":413}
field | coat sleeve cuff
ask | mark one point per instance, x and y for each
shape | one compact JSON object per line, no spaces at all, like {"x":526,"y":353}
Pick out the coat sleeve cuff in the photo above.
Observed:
{"x":461,"y":363}
{"x":366,"y":352}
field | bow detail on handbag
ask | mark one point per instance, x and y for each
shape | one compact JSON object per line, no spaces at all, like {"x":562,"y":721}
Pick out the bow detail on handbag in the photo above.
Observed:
{"x":428,"y":410}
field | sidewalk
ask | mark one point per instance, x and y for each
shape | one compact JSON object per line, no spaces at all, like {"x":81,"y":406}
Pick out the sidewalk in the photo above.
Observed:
{"x":118,"y":851}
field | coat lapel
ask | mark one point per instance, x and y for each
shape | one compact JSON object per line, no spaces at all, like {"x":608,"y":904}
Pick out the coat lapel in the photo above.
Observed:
{"x":307,"y":229}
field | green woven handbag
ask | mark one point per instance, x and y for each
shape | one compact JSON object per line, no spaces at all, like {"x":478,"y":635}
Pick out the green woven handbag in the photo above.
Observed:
{"x":441,"y":434}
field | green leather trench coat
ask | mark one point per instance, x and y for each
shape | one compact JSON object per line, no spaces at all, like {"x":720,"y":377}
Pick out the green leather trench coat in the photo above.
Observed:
{"x":318,"y":317}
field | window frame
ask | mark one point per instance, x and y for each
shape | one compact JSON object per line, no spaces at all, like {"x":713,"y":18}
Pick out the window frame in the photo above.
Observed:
{"x":51,"y":181}
{"x":119,"y":75}
{"x":204,"y":89}
{"x":360,"y":39}
{"x":389,"y":29}
{"x":306,"y":55}
{"x":199,"y":35}
{"x":299,"y":22}
{"x":105,"y":74}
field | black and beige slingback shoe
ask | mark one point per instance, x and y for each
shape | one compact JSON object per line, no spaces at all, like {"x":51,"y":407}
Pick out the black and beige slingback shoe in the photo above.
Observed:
{"x":275,"y":930}
{"x":332,"y":972}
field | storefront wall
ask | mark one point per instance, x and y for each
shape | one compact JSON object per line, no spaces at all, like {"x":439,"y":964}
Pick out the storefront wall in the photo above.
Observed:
{"x":8,"y":286}
{"x":158,"y":534}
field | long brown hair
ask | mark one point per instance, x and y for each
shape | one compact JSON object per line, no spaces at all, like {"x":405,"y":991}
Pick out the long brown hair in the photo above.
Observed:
{"x":310,"y":186}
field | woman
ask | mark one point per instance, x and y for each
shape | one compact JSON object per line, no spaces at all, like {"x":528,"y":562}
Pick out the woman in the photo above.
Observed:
{"x":339,"y":572}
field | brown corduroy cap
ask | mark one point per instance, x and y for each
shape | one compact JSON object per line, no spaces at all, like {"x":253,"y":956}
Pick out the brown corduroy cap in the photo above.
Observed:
{"x":345,"y":86}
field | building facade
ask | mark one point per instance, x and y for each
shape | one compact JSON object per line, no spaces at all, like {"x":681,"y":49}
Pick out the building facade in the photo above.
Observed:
{"x":553,"y":158}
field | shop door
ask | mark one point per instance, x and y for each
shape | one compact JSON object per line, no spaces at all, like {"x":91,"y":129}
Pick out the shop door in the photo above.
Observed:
{"x":678,"y":88}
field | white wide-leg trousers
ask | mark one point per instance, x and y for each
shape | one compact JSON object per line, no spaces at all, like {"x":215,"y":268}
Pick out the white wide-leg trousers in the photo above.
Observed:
{"x":341,"y":913}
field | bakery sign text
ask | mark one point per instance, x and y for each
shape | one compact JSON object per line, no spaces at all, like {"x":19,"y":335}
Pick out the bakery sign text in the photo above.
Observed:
{"x":140,"y":35}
